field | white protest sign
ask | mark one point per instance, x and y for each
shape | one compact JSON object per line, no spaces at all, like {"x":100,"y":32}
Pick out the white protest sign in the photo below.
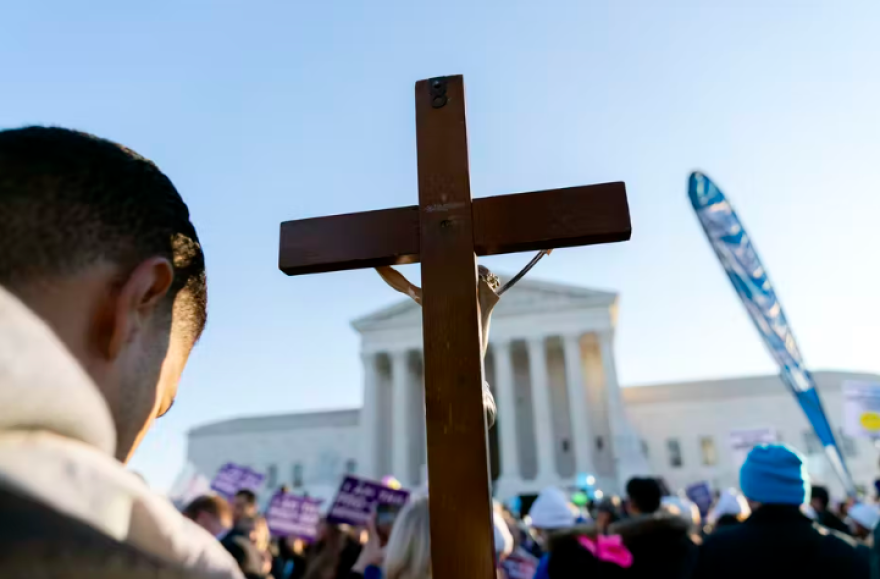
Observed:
{"x":744,"y":439}
{"x":861,"y":409}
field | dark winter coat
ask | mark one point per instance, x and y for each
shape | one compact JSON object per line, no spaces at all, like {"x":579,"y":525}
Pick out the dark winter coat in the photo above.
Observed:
{"x":567,"y":559}
{"x":245,"y":553}
{"x":832,"y":521}
{"x":661,"y":545}
{"x":779,"y":541}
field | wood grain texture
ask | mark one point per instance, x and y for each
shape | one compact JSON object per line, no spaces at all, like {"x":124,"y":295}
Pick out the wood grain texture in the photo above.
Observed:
{"x":462,"y":544}
{"x":551,"y":219}
{"x":352,"y":241}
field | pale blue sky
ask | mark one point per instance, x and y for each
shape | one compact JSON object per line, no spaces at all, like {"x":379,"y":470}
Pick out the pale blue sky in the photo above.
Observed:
{"x":267,"y":111}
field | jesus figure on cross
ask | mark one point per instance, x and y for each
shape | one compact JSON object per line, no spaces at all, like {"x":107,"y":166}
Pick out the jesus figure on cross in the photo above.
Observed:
{"x":445,"y":232}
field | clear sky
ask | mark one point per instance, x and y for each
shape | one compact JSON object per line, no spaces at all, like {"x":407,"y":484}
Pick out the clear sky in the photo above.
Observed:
{"x":267,"y":111}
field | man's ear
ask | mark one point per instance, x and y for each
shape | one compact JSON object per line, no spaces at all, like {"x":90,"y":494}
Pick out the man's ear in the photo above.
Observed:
{"x":136,"y":302}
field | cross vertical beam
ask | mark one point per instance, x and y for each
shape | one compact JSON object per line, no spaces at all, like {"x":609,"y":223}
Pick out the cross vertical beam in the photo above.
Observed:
{"x":458,"y":466}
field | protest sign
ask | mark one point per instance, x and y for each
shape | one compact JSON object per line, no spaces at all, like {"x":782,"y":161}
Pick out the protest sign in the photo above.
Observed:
{"x":290,"y":515}
{"x":861,"y":409}
{"x":701,"y":495}
{"x":520,"y":565}
{"x":743,"y":440}
{"x":232,"y":478}
{"x":358,"y":498}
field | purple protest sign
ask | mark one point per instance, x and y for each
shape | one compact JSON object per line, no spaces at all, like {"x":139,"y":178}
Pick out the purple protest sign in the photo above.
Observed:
{"x":232,"y":478}
{"x":520,"y":565}
{"x":358,"y":498}
{"x":701,"y":495}
{"x":293,"y":516}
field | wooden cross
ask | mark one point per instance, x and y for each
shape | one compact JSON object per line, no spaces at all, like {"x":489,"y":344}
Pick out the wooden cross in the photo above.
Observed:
{"x":445,"y":232}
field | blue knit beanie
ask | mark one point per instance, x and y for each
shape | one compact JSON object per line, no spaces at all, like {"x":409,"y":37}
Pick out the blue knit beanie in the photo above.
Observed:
{"x":775,"y":474}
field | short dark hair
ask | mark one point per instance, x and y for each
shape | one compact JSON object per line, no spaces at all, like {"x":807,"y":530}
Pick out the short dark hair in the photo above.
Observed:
{"x":69,"y":199}
{"x":248,"y":496}
{"x":211,"y":504}
{"x":820,"y":493}
{"x":644,"y":493}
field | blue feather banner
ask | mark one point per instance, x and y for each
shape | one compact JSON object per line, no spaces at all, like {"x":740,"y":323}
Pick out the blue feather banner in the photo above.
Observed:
{"x":749,"y":278}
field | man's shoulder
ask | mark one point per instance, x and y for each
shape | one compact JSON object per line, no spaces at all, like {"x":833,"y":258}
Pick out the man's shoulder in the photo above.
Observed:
{"x":36,"y":540}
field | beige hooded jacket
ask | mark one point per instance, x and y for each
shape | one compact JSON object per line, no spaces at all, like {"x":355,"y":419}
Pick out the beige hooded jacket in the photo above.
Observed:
{"x":57,"y":443}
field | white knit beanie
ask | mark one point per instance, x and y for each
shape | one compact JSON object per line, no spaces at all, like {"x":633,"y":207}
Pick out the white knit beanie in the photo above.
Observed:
{"x":551,"y":510}
{"x":729,"y":503}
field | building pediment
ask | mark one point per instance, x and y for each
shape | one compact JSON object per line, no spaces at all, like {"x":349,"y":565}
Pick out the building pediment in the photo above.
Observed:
{"x":527,"y":297}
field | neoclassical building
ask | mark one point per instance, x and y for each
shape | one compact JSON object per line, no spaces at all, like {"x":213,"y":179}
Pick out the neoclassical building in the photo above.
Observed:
{"x":551,"y":369}
{"x":561,"y":410}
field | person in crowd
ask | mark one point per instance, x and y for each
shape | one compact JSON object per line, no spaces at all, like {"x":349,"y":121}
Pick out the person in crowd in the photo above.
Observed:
{"x":258,"y":531}
{"x":586,"y":553}
{"x":820,"y":501}
{"x":659,"y":540}
{"x":371,"y":557}
{"x":863,"y":518}
{"x":607,"y":513}
{"x":105,"y":296}
{"x":244,"y":543}
{"x":408,"y":553}
{"x":550,"y":513}
{"x":290,"y":561}
{"x":729,"y":510}
{"x":333,"y":554}
{"x":211,"y":513}
{"x":778,"y":540}
{"x":244,"y":505}
{"x":503,"y":538}
{"x":572,"y":550}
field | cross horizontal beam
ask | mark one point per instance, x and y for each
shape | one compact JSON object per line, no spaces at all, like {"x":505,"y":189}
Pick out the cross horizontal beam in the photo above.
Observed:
{"x":551,"y":219}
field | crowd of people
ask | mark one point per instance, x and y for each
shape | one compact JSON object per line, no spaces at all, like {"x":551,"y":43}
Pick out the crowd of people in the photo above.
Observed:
{"x":103,"y":295}
{"x":779,"y":525}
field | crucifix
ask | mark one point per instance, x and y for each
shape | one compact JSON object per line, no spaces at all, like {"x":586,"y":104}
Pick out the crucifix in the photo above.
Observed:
{"x":445,"y":232}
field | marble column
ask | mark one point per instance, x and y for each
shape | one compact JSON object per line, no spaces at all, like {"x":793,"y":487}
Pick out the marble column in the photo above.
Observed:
{"x":401,"y":390}
{"x":546,"y":448}
{"x":627,"y":447}
{"x":370,"y":416}
{"x":504,"y":389}
{"x":577,"y":398}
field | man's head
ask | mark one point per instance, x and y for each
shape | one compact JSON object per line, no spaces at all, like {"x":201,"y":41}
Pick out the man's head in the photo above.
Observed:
{"x":819,"y":498}
{"x":210,"y":512}
{"x":644,"y":495}
{"x":244,"y":505}
{"x":774,"y":474}
{"x":97,"y":241}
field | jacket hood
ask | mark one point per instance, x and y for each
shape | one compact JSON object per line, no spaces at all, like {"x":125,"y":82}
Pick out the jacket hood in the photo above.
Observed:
{"x":42,"y":386}
{"x":659,"y":524}
{"x":57,"y":442}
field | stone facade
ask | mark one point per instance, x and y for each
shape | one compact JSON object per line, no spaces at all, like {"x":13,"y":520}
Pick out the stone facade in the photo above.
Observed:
{"x":551,"y":368}
{"x":306,"y":451}
{"x":698,"y":417}
{"x":561,"y":411}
